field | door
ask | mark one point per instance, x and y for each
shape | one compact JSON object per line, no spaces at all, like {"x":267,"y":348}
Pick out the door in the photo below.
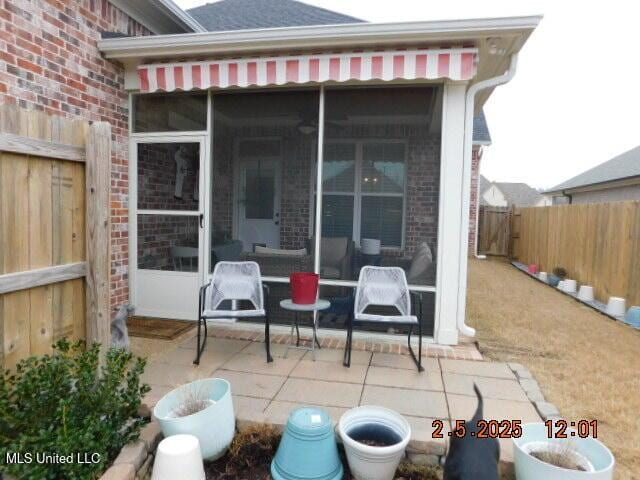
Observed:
{"x":167,"y":226}
{"x":259,"y":205}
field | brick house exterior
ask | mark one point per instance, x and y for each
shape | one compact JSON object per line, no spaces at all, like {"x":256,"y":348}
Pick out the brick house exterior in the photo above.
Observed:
{"x":476,"y":157}
{"x":49,"y":61}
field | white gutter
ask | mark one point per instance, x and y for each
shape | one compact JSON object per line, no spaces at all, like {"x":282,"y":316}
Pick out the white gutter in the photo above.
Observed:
{"x":466,"y":186}
{"x":296,"y":38}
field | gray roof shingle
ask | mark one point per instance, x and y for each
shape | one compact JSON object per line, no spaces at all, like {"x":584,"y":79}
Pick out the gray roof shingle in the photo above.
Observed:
{"x":519,"y":194}
{"x":623,"y":166}
{"x":227,"y":15}
{"x":480,"y":129}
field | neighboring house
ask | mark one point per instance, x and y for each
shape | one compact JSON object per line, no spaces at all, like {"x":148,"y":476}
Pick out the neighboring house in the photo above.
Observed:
{"x":506,"y":194}
{"x":613,"y":181}
{"x":217,"y":136}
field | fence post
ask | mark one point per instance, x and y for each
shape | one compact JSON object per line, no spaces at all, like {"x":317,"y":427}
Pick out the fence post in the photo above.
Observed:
{"x":98,"y":228}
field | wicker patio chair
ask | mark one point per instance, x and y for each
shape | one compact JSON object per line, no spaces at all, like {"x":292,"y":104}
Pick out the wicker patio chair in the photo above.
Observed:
{"x":384,"y":287}
{"x":232,"y":283}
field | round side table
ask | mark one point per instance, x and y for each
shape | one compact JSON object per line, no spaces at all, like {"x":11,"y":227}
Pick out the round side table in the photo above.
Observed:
{"x":297,"y":308}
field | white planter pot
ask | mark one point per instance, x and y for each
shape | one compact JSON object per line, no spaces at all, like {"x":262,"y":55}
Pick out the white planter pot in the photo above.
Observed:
{"x":560,"y":285}
{"x":371,"y":462}
{"x":586,"y":293}
{"x":589,"y":452}
{"x":178,"y":456}
{"x":570,"y":286}
{"x":616,"y":306}
{"x":214,"y":426}
{"x":542,"y":276}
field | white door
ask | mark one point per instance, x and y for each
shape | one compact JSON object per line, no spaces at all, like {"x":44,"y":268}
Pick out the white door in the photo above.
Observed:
{"x":167,"y":226}
{"x":259,"y":205}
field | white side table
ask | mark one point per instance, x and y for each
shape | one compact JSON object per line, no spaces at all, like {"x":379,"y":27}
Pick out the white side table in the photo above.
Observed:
{"x":288,"y":304}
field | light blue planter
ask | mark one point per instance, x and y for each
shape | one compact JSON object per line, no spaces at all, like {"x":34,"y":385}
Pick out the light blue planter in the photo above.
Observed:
{"x":633,"y":317}
{"x":214,"y":426}
{"x":554,"y":280}
{"x":530,"y":468}
{"x":308,"y":449}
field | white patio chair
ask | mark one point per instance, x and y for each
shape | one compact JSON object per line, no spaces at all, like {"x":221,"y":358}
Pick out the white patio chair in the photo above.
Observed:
{"x":184,"y":259}
{"x":230,"y":283}
{"x":385,"y":287}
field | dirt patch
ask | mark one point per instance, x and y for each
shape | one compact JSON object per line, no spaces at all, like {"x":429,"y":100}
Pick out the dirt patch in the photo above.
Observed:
{"x":586,"y":363}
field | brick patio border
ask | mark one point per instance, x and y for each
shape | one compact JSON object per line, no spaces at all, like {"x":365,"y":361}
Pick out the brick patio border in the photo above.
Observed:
{"x":465,"y":351}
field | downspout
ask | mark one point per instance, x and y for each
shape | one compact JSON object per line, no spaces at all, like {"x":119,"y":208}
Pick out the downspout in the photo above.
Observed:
{"x":466,"y":186}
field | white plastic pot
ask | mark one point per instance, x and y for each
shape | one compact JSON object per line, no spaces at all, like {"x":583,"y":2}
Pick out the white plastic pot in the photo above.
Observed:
{"x":616,"y":306}
{"x":591,"y":453}
{"x":214,"y":426}
{"x":570,"y":286}
{"x":542,"y":276}
{"x":370,"y":462}
{"x":586,"y":293}
{"x":560,"y":285}
{"x":178,"y":456}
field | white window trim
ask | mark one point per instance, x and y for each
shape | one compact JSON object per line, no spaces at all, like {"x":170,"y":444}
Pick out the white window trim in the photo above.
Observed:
{"x":357,"y":192}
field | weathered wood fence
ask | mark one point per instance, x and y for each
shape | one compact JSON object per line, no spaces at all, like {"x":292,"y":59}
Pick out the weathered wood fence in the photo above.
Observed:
{"x":494,"y":231}
{"x":54,"y":232}
{"x":598,"y":244}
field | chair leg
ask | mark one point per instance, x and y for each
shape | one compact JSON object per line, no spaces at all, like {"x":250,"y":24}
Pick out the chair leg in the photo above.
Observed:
{"x":200,"y":348}
{"x":417,"y":361}
{"x":346,"y":361}
{"x":266,"y":339}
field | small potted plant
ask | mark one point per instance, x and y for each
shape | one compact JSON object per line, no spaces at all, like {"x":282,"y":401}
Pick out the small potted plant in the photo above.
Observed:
{"x":557,"y":276}
{"x":203,"y":409}
{"x":537,"y":457}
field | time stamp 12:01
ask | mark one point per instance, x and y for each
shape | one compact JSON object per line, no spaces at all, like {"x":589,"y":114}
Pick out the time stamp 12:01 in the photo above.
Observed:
{"x":513,"y":429}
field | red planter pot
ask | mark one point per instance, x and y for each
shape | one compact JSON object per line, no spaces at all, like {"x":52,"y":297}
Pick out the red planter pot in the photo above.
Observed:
{"x":304,"y":287}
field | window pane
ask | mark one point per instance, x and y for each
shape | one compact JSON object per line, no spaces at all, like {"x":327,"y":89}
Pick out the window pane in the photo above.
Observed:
{"x":168,"y":242}
{"x":168,"y":176}
{"x":338,"y":169}
{"x":337,"y":216}
{"x":382,"y":220}
{"x":383,"y":168}
{"x":177,"y":112}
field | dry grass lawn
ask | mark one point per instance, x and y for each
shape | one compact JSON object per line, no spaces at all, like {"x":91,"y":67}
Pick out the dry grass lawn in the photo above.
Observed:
{"x":586,"y":364}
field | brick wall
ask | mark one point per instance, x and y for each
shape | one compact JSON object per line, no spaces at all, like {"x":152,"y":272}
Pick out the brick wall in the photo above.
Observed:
{"x":476,"y":157}
{"x":49,"y":61}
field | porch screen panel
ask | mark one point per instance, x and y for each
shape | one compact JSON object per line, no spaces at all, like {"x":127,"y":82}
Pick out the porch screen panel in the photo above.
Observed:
{"x":263,"y":156}
{"x":381,"y":176}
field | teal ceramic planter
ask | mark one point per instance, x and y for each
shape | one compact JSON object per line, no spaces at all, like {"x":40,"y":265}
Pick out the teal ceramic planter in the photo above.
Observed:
{"x":308,"y":449}
{"x":554,"y":280}
{"x":633,"y":317}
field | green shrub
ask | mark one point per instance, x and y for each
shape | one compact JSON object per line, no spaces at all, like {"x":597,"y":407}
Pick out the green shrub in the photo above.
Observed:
{"x":67,"y":404}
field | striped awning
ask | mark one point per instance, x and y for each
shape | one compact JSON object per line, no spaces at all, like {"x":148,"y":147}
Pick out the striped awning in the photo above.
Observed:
{"x":451,"y":63}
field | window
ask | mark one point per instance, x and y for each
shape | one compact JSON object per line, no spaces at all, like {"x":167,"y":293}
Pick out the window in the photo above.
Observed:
{"x":363,"y":191}
{"x":177,"y":112}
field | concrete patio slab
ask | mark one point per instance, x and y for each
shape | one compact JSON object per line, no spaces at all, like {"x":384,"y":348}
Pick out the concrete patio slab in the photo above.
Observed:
{"x":161,"y":373}
{"x":393,"y":377}
{"x":277,"y":413}
{"x":185,"y":356}
{"x":358,"y":357}
{"x":422,"y":438}
{"x":329,"y":372}
{"x":252,"y":384}
{"x":243,"y":362}
{"x":498,"y":388}
{"x":216,"y":344}
{"x":417,"y":403}
{"x":393,"y":360}
{"x":462,"y":407}
{"x":277,"y":350}
{"x":480,"y":369}
{"x":317,"y":392}
{"x":249,"y":409}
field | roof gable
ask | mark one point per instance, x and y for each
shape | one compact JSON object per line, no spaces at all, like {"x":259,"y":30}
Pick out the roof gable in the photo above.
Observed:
{"x":226,"y":15}
{"x":519,"y":194}
{"x":623,"y":166}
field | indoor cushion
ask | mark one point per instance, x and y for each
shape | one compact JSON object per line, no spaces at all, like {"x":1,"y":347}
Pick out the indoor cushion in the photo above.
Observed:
{"x":333,"y":250}
{"x":279,"y":251}
{"x":330,"y":272}
{"x":420,"y":262}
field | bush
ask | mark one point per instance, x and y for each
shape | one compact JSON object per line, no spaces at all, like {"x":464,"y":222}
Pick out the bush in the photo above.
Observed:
{"x":66,"y":404}
{"x":560,"y":272}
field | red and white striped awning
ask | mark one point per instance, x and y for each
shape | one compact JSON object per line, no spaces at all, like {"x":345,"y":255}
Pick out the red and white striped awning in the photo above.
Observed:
{"x":452,"y":63}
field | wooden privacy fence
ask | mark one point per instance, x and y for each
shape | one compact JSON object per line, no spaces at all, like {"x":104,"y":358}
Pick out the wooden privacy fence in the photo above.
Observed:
{"x":54,"y":232}
{"x":598,"y":244}
{"x":494,"y":232}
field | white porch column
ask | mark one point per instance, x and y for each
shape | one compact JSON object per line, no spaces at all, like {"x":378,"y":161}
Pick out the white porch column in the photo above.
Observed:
{"x":450,"y":224}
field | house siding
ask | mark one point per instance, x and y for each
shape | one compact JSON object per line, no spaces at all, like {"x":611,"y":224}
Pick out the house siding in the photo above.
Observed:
{"x":49,"y":61}
{"x":618,"y":194}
